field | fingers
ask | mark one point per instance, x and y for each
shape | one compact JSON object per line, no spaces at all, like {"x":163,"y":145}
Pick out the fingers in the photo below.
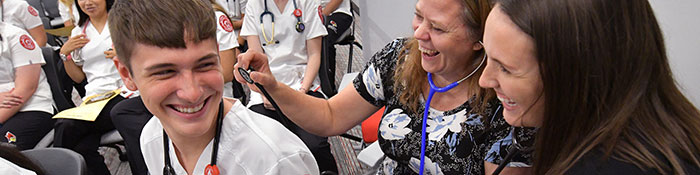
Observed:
{"x":110,"y":54}
{"x":11,"y":101}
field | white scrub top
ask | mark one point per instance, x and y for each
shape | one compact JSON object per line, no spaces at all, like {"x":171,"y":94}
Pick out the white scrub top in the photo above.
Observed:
{"x":19,"y":13}
{"x":19,"y":49}
{"x":288,"y":58}
{"x":227,"y":40}
{"x":101,"y":74}
{"x":250,"y":143}
{"x":343,"y":8}
{"x":66,"y":13}
{"x":7,"y":167}
{"x":234,"y":8}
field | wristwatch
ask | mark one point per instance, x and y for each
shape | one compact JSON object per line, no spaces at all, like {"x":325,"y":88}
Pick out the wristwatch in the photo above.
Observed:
{"x":64,"y":57}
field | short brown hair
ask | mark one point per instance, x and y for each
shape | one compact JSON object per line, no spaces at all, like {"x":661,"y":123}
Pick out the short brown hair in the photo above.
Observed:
{"x":161,"y":23}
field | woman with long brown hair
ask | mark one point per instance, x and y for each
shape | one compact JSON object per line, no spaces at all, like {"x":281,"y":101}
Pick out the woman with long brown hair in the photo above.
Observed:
{"x":593,"y":75}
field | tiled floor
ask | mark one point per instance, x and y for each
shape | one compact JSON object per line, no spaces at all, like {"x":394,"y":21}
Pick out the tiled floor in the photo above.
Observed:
{"x":344,"y":150}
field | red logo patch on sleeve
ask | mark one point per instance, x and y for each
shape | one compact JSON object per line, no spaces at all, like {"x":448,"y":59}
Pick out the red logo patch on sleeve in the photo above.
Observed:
{"x":225,"y":23}
{"x":320,"y":13}
{"x":32,"y":11}
{"x":26,"y":42}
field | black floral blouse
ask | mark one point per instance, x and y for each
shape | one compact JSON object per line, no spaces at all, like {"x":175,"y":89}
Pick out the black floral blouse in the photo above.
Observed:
{"x":458,"y":140}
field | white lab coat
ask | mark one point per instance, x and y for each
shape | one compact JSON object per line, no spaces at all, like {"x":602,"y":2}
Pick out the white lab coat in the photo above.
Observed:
{"x":287,"y":59}
{"x":250,"y":144}
{"x":19,"y":49}
{"x":19,"y":13}
{"x":101,"y":74}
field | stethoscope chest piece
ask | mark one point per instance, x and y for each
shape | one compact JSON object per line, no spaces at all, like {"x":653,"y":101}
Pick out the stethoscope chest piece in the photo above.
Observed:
{"x":300,"y":26}
{"x":211,"y":170}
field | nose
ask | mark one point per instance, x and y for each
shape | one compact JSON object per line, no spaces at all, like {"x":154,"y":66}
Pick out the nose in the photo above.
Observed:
{"x":189,"y":89}
{"x":487,"y":79}
{"x":420,"y":30}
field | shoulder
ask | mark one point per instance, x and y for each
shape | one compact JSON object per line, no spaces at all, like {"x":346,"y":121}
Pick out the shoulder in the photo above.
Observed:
{"x":595,"y":162}
{"x":151,"y":131}
{"x":11,"y":30}
{"x":258,"y":137}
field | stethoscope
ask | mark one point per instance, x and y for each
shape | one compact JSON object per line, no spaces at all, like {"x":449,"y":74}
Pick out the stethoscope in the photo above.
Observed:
{"x":211,"y":169}
{"x":516,"y":148}
{"x":299,"y":26}
{"x":433,"y":90}
{"x":246,"y":76}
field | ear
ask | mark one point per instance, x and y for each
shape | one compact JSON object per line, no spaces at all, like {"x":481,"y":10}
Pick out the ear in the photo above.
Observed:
{"x":125,"y":74}
{"x":477,"y":46}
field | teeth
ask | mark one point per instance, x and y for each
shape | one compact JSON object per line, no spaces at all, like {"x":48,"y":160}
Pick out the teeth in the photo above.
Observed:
{"x":508,"y":102}
{"x":189,"y":110}
{"x":427,"y":51}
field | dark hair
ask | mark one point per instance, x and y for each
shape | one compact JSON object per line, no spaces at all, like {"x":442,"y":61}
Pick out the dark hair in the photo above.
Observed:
{"x":161,"y":23}
{"x":608,"y":85}
{"x":84,"y":17}
{"x":11,"y":154}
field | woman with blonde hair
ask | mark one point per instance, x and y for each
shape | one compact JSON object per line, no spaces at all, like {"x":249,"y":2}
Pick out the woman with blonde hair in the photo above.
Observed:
{"x":463,"y":125}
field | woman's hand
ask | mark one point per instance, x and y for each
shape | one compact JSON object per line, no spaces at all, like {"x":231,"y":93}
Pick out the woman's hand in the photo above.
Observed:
{"x":261,"y":75}
{"x":73,"y":43}
{"x":9,"y":100}
{"x":110,"y":54}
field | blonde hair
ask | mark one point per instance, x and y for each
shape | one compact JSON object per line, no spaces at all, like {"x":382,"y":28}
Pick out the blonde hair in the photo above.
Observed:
{"x":410,"y":77}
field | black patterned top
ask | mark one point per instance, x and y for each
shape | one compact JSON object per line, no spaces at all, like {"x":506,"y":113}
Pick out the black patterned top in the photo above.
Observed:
{"x":458,"y":140}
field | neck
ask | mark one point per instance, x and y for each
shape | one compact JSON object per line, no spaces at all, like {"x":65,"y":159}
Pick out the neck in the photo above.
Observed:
{"x":281,"y":4}
{"x":189,"y":149}
{"x":99,"y":21}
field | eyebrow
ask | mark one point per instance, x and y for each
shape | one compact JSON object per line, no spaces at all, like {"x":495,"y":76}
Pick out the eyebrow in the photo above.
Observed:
{"x":165,"y":65}
{"x":511,"y":68}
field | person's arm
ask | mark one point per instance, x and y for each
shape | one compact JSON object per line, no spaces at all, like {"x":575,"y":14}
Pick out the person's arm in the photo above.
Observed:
{"x":26,"y":81}
{"x":228,"y":59}
{"x":331,"y":7}
{"x":39,"y":35}
{"x":74,"y":71}
{"x":254,"y":43}
{"x":237,"y":24}
{"x":313,"y":49}
{"x":318,"y":116}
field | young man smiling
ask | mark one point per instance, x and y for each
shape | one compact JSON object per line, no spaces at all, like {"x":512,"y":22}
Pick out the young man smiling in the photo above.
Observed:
{"x":167,"y":50}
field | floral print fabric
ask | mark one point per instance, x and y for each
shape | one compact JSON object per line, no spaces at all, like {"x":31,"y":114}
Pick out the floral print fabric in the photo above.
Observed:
{"x":458,"y":140}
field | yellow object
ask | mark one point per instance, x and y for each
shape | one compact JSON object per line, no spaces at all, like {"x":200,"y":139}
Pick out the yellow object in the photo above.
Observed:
{"x":90,"y":108}
{"x":63,"y":31}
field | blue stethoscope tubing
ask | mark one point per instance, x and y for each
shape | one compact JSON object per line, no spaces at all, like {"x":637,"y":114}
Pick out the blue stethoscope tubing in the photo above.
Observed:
{"x":434,"y":88}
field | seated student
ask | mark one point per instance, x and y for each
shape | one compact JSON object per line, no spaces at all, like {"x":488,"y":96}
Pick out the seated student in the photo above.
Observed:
{"x":87,"y":56}
{"x":129,"y":116}
{"x":25,"y":96}
{"x":19,"y":13}
{"x":178,"y":74}
{"x":289,"y":32}
{"x":339,"y":20}
{"x":594,"y":76}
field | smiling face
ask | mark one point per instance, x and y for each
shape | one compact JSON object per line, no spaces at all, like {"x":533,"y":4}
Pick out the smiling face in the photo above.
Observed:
{"x":443,"y":38}
{"x":180,"y":86}
{"x":512,"y":70}
{"x":93,"y":7}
